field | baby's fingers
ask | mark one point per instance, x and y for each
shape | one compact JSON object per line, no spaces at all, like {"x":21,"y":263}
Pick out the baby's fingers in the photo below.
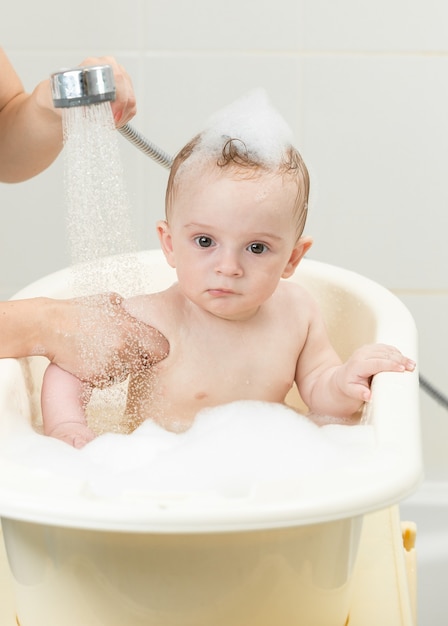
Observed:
{"x":383,"y":358}
{"x":392,"y":360}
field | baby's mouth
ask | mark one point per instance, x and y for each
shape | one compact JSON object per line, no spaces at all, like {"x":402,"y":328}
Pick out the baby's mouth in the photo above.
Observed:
{"x":221,"y":292}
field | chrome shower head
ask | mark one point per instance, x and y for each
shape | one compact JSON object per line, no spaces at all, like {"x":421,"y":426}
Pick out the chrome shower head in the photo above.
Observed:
{"x":83,"y":86}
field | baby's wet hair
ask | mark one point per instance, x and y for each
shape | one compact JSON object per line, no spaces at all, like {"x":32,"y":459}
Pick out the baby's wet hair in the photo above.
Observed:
{"x":244,"y":163}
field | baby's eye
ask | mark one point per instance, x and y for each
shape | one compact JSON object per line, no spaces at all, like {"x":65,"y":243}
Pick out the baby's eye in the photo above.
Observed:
{"x":203,"y":241}
{"x":257,"y":248}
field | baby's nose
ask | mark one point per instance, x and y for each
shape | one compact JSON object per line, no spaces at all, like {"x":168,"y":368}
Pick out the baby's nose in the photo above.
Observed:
{"x":228,"y":264}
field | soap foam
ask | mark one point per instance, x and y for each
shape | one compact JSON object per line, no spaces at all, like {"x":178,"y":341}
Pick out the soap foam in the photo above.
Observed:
{"x":231,"y":451}
{"x":251,"y":120}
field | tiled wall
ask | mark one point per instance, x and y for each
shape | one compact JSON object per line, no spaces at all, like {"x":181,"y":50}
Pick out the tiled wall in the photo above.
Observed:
{"x":364,"y":86}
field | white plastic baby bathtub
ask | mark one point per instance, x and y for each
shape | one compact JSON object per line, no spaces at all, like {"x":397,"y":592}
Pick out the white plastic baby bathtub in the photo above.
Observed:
{"x":284,"y":556}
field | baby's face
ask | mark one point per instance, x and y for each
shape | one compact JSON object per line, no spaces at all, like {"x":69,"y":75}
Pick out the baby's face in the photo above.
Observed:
{"x":231,"y":239}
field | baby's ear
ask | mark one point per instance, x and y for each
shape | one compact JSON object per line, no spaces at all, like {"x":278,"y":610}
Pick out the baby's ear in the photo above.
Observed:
{"x":166,"y":241}
{"x":299,"y":251}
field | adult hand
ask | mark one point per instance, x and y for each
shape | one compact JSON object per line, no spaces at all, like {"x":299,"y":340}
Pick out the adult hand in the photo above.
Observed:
{"x":94,"y":338}
{"x":124,"y":107}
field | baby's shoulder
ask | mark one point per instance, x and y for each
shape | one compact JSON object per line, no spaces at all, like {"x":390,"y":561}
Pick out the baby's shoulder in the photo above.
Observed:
{"x":294,"y":301}
{"x":290,"y":292}
{"x":150,"y":306}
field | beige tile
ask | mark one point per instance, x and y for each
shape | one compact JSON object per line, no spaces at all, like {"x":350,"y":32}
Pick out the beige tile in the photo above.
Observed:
{"x":92,"y":26}
{"x":359,"y":25}
{"x":231,"y":25}
{"x":375,"y":133}
{"x":32,"y":237}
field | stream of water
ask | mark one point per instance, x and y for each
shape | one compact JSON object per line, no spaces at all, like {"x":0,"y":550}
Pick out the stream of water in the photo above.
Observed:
{"x":99,"y":212}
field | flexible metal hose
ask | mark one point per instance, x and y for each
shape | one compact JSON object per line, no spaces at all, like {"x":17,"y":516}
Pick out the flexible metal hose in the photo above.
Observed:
{"x":146,"y":146}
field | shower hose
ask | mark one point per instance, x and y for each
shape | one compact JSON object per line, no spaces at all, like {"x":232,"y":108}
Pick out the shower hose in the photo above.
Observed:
{"x":146,"y":146}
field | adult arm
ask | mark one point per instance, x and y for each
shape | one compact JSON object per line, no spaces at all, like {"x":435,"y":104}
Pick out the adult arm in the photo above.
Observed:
{"x":31,"y":128}
{"x":61,"y":330}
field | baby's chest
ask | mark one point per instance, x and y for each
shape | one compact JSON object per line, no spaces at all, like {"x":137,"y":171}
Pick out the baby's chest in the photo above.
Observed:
{"x":238,"y":365}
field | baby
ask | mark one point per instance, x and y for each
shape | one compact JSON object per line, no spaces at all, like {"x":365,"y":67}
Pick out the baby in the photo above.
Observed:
{"x":234,"y":330}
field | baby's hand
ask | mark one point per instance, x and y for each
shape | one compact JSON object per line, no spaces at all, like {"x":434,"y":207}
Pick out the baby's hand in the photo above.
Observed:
{"x":355,"y":376}
{"x":73,"y":433}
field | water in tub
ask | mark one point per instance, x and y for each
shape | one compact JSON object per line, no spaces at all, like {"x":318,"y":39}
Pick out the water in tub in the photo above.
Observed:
{"x":230,"y":450}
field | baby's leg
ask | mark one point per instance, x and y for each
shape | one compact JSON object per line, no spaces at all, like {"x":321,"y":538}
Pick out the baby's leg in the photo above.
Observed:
{"x":64,"y":398}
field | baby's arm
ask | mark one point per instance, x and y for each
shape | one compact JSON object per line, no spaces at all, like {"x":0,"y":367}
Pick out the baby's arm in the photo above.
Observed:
{"x":64,"y":398}
{"x":330,"y":387}
{"x":355,"y":376}
{"x":349,"y":385}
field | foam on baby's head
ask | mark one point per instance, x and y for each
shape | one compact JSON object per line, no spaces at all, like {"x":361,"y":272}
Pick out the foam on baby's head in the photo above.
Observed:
{"x":255,"y":124}
{"x":249,"y":133}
